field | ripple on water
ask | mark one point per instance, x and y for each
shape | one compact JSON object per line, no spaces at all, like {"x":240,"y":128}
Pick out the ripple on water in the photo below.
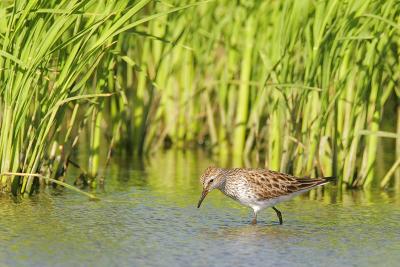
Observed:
{"x":144,"y":224}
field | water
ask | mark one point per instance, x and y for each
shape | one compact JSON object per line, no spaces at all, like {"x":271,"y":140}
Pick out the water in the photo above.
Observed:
{"x":147,"y":217}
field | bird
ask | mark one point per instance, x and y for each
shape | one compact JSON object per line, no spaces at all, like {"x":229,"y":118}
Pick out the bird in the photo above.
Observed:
{"x":257,"y":188}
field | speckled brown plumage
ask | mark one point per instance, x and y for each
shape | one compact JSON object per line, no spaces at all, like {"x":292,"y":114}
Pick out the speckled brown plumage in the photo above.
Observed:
{"x":257,"y":188}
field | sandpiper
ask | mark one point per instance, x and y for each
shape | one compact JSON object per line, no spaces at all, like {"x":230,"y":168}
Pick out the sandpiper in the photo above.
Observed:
{"x":257,"y":188}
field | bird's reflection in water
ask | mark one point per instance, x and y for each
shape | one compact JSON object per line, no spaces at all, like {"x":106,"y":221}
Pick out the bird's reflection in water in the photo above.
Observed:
{"x":264,"y":230}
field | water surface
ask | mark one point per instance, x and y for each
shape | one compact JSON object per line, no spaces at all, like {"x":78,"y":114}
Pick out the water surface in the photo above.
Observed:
{"x":148,"y":217}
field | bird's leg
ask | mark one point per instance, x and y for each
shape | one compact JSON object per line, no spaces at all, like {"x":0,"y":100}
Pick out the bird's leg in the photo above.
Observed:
{"x":279,"y":215}
{"x":254,"y":221}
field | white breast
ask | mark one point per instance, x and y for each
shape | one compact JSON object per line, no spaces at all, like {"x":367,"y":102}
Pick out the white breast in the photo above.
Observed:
{"x":239,"y":191}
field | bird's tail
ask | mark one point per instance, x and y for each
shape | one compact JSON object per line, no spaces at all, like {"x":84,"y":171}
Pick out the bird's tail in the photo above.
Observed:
{"x":329,"y":179}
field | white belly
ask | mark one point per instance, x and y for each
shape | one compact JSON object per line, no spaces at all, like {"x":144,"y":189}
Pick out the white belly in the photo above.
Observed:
{"x":258,"y":205}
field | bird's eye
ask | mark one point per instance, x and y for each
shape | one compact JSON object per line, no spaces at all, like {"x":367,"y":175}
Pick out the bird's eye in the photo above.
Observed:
{"x":212,"y":180}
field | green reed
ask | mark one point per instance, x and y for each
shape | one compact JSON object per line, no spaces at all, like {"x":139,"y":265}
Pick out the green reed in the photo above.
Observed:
{"x":300,"y":86}
{"x":295,"y":86}
{"x":50,"y":52}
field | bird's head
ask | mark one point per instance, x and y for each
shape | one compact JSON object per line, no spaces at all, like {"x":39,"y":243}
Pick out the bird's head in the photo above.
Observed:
{"x":212,"y":178}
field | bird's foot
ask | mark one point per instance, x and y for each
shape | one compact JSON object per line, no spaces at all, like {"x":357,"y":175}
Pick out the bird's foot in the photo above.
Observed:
{"x":279,"y":215}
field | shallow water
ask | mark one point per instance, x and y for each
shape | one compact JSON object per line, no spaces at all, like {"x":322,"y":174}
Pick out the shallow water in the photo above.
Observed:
{"x":147,"y":217}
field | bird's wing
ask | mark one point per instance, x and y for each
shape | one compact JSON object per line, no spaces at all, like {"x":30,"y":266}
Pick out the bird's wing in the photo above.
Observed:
{"x":269,"y":184}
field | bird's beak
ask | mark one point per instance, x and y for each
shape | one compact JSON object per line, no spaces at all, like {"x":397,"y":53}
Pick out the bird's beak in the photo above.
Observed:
{"x":203,"y":196}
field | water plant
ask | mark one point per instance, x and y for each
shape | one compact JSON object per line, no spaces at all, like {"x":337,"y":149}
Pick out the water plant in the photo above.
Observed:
{"x":50,"y":54}
{"x":299,"y":86}
{"x":295,"y":86}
